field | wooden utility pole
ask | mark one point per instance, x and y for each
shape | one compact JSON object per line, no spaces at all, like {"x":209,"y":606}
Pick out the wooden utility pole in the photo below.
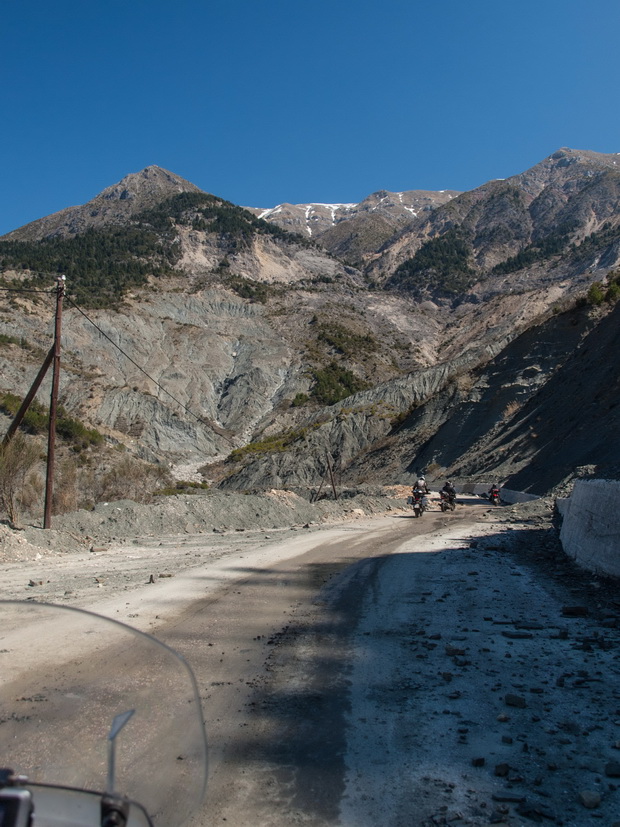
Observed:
{"x":316,"y":496}
{"x":51,"y":436}
{"x":328,"y":471}
{"x":331,"y":474}
{"x":28,"y":398}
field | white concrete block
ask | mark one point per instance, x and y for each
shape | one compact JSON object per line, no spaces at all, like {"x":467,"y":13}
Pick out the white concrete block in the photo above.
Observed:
{"x":590,"y":531}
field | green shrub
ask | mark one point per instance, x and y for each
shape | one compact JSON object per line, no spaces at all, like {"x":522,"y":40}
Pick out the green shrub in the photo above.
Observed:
{"x":299,"y":400}
{"x":75,"y":431}
{"x":613,"y":293}
{"x":271,"y":444}
{"x":595,"y":294}
{"x":333,"y":383}
{"x":36,"y":421}
{"x":36,"y":417}
{"x":255,"y":291}
{"x":346,"y":341}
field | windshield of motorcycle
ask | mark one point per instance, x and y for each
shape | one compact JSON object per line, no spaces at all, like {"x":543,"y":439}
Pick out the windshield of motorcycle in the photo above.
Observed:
{"x":89,"y":703}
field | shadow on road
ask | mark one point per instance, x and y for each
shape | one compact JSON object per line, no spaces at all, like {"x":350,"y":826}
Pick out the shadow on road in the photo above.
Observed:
{"x":303,"y":712}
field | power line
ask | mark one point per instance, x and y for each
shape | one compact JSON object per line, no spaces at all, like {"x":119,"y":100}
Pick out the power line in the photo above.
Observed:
{"x":140,"y":368}
{"x":52,"y":290}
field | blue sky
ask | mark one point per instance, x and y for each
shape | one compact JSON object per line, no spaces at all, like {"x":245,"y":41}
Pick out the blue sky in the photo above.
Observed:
{"x":283,"y":100}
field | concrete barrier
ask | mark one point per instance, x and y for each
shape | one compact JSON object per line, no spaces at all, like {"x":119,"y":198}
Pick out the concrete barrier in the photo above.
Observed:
{"x":506,"y":495}
{"x":512,"y":497}
{"x":590,"y":532}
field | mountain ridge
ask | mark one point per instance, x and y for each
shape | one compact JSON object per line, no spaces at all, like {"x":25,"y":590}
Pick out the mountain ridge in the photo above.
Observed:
{"x":503,"y":217}
{"x":286,"y":351}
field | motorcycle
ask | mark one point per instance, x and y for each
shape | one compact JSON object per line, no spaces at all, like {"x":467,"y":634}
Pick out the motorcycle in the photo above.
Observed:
{"x":100,"y":724}
{"x":494,"y":498}
{"x":447,"y":502}
{"x":419,"y":503}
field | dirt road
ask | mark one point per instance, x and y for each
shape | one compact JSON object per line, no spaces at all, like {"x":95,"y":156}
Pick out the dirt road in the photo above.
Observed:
{"x":275,"y":676}
{"x":405,"y":672}
{"x":396,"y":671}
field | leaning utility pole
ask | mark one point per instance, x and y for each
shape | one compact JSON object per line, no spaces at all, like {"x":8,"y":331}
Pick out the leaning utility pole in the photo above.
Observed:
{"x":51,"y":436}
{"x":329,"y":471}
{"x":21,"y":413}
{"x":331,"y":474}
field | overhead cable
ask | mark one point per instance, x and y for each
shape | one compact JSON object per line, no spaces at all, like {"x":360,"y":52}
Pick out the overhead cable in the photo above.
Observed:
{"x":133,"y":362}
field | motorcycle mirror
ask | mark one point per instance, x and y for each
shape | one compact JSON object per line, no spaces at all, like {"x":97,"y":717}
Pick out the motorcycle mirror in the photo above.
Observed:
{"x":117,"y":725}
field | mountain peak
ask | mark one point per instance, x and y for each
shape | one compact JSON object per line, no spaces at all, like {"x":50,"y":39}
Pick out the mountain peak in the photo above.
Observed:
{"x":135,"y":192}
{"x":150,"y":184}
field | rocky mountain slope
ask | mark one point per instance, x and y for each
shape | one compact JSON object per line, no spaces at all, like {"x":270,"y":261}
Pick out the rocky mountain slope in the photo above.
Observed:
{"x":198,"y":334}
{"x":545,"y":406}
{"x":517,"y":416}
{"x":557,"y":220}
{"x":354,"y":232}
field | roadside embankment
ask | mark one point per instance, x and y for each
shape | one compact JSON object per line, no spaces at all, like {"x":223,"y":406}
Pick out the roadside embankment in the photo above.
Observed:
{"x":590,"y":531}
{"x":214,"y":512}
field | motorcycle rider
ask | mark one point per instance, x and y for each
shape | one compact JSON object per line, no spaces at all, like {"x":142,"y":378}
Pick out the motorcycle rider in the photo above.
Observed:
{"x":419,"y":492}
{"x":494,"y":492}
{"x":450,"y":491}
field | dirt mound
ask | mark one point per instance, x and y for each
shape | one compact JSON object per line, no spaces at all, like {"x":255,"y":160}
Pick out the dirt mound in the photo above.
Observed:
{"x":186,"y":514}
